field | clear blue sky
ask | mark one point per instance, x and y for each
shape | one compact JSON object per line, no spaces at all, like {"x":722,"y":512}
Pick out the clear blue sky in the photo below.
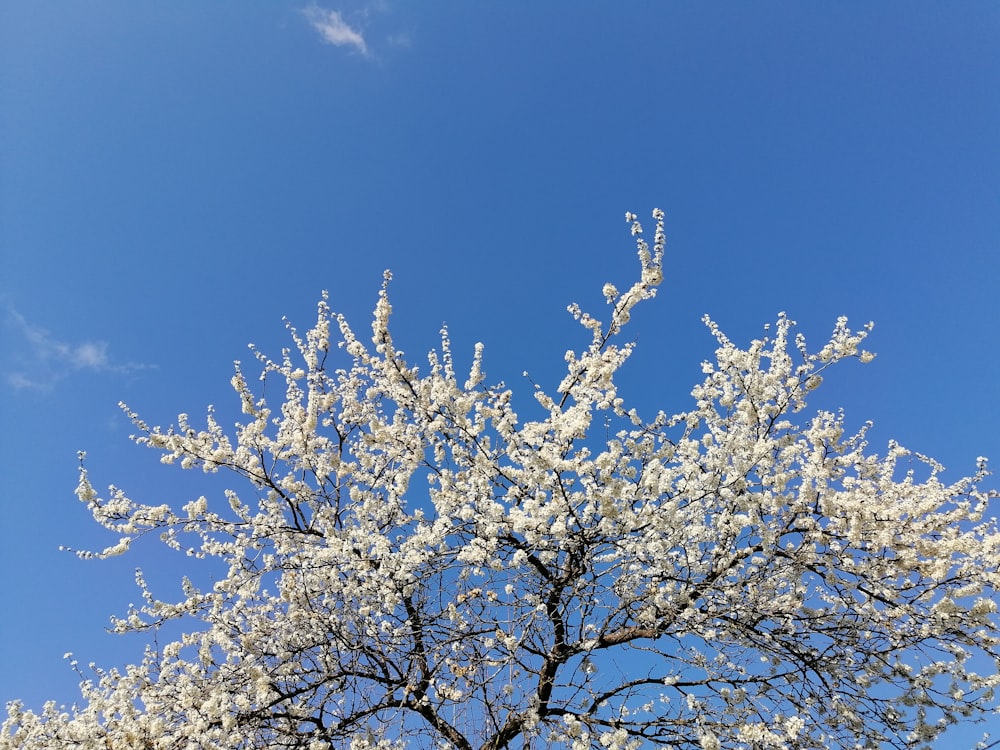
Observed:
{"x":175,"y":177}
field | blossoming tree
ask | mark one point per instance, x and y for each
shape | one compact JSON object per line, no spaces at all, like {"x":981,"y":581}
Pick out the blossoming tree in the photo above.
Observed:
{"x":408,"y":563}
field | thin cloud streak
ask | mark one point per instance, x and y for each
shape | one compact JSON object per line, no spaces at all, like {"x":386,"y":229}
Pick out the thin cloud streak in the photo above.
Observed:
{"x":403,"y":40}
{"x":45,"y":359}
{"x":334,"y":29}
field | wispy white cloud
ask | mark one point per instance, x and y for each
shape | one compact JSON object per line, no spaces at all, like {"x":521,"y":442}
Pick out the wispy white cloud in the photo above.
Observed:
{"x":402,"y":39}
{"x":334,"y":29}
{"x":38,"y":360}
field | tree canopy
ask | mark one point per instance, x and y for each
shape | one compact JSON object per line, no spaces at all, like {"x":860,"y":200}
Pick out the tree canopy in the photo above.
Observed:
{"x":410,"y":564}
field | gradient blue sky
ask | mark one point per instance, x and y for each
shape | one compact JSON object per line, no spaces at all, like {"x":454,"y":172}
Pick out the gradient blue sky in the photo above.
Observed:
{"x":176,"y":176}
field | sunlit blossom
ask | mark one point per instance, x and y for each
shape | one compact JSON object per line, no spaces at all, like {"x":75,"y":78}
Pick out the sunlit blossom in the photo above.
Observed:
{"x":411,"y":563}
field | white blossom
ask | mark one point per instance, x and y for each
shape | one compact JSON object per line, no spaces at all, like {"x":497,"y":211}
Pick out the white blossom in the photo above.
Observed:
{"x":409,"y":563}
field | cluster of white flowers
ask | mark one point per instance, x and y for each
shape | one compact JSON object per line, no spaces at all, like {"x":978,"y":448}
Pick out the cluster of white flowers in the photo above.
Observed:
{"x":408,"y":564}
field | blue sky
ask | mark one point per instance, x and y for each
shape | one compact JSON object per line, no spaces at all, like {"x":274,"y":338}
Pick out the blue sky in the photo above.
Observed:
{"x":176,"y":177}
